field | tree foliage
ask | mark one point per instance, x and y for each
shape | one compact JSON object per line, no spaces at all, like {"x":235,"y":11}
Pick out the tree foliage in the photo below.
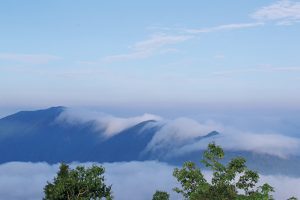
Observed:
{"x":161,"y":195}
{"x":78,"y":184}
{"x":231,"y":181}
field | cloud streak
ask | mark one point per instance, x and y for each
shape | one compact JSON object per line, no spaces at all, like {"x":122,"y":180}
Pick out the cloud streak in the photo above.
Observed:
{"x":160,"y":43}
{"x":283,"y":12}
{"x":224,"y":27}
{"x":153,"y":45}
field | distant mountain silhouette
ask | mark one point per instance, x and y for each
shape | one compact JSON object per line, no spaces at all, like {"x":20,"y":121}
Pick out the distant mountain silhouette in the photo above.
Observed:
{"x":36,"y":136}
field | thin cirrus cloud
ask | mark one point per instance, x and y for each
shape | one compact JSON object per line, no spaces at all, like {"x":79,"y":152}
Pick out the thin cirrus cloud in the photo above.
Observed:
{"x":28,"y":58}
{"x":161,"y":43}
{"x":284,"y":12}
{"x":224,"y":27}
{"x":153,"y":45}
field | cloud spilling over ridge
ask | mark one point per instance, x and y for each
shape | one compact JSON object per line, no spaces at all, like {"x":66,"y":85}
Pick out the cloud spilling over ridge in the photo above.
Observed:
{"x":127,"y":178}
{"x":109,"y":124}
{"x":179,"y":132}
{"x":180,"y":136}
{"x":264,"y":143}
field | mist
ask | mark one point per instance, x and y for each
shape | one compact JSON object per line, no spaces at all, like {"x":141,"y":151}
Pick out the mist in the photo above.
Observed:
{"x":129,"y":180}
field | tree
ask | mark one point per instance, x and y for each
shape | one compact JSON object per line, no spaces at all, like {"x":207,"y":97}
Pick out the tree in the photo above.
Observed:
{"x":78,"y":184}
{"x":226,"y":180}
{"x":160,"y":195}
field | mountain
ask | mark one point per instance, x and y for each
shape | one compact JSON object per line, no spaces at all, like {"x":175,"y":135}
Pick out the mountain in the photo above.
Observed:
{"x":37,"y":136}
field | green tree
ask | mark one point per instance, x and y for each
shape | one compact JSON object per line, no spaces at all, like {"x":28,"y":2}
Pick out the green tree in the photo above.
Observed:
{"x":226,"y":181}
{"x":161,"y":195}
{"x":78,"y":184}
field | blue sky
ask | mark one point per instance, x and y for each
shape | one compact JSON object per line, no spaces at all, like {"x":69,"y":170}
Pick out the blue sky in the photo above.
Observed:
{"x":108,"y":53}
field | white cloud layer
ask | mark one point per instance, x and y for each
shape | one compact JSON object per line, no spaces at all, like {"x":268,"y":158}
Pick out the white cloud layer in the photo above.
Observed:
{"x":179,"y":136}
{"x":109,"y":124}
{"x":179,"y":132}
{"x":263,"y":143}
{"x":284,"y":12}
{"x":130,"y":180}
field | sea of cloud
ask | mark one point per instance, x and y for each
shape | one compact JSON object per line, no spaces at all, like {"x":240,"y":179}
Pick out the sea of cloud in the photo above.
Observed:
{"x":129,"y":180}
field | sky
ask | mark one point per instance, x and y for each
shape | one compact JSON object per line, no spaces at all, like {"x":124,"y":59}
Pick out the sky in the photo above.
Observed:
{"x":158,"y":53}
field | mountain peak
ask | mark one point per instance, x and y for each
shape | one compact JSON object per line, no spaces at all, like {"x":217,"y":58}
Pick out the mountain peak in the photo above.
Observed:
{"x":52,"y":111}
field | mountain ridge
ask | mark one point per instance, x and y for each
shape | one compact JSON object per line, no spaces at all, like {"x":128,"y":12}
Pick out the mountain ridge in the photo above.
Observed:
{"x":37,"y":136}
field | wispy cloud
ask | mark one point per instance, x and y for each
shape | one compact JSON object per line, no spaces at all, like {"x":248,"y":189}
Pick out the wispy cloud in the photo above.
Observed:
{"x":162,"y":43}
{"x":29,"y":58}
{"x":284,"y":12}
{"x":155,"y":44}
{"x":224,"y":27}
